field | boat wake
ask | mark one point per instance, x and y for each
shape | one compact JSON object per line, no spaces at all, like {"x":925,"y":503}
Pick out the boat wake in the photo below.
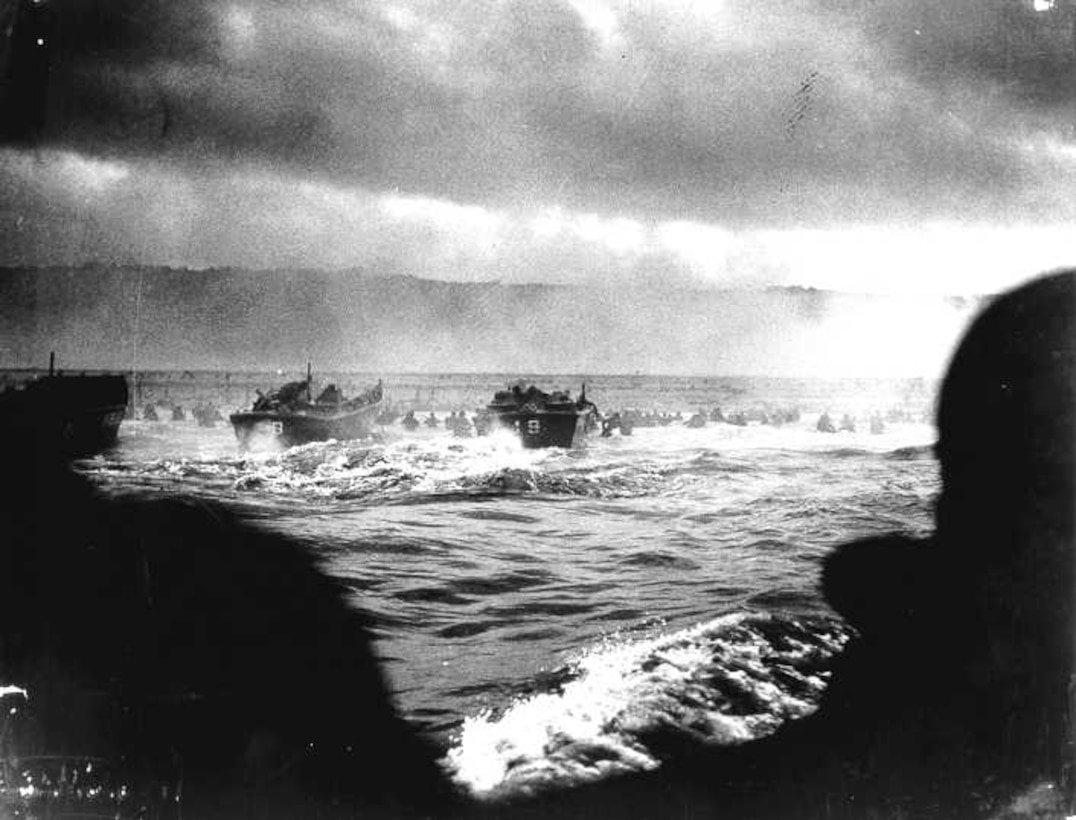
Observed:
{"x":617,"y":707}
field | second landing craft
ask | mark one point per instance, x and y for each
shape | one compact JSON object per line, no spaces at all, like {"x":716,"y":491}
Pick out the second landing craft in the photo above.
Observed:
{"x":544,"y":419}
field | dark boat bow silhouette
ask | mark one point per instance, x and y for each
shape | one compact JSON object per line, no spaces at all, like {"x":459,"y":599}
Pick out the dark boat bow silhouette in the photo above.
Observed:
{"x":75,"y":416}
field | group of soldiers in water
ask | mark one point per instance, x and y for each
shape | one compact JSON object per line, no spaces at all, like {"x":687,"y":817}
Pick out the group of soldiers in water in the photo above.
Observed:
{"x":876,"y":421}
{"x":456,"y":422}
{"x":625,"y":421}
{"x":205,"y":413}
{"x":738,"y":418}
{"x":848,"y":424}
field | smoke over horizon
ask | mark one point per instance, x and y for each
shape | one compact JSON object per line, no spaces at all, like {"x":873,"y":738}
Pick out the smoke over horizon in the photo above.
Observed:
{"x":129,"y":317}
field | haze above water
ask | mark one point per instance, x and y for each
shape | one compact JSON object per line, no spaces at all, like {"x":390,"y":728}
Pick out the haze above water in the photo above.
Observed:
{"x":132,"y":318}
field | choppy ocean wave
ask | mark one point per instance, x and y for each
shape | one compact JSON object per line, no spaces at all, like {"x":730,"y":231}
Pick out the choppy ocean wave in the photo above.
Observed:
{"x":408,"y":469}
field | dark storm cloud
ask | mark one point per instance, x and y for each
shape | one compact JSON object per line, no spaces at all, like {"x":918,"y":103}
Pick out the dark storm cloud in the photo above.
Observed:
{"x":96,"y":57}
{"x":786,"y":127}
{"x":326,"y":87}
{"x":151,"y":78}
{"x":1020,"y":48}
{"x":903,"y":146}
{"x":743,"y":113}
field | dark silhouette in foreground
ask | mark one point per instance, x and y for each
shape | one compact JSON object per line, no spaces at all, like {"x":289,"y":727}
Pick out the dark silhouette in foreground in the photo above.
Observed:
{"x":198,"y":655}
{"x":957,"y":695}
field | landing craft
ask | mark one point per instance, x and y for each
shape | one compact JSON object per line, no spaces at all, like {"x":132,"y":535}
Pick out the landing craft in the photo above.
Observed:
{"x":544,"y":419}
{"x":290,"y":415}
{"x":73,"y":415}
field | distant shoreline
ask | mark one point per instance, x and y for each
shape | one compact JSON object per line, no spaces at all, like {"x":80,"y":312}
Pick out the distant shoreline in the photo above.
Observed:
{"x":133,"y":319}
{"x":442,"y":392}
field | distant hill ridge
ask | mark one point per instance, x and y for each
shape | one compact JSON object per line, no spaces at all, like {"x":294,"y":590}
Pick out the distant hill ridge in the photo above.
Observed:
{"x":159,"y":317}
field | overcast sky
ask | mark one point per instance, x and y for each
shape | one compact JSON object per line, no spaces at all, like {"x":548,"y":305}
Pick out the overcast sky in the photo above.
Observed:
{"x":906,"y":145}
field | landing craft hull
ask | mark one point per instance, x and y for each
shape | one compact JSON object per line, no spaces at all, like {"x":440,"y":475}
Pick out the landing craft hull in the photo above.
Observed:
{"x":304,"y":426}
{"x":92,"y":430}
{"x":76,"y":416}
{"x":544,"y":428}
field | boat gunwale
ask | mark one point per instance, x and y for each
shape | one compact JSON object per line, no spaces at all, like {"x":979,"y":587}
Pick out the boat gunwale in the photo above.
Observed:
{"x":277,"y":415}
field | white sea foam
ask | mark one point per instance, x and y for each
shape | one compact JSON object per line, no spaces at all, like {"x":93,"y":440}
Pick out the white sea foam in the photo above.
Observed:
{"x":714,"y":683}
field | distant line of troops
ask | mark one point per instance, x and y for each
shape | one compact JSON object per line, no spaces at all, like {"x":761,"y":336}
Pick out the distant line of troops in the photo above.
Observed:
{"x":206,"y":414}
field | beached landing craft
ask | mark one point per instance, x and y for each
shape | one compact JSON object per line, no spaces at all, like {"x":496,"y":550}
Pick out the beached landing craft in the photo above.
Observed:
{"x":544,"y":419}
{"x":290,"y":415}
{"x":74,"y":415}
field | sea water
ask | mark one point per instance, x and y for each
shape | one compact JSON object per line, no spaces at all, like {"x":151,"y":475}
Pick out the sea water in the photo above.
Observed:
{"x":543,"y":613}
